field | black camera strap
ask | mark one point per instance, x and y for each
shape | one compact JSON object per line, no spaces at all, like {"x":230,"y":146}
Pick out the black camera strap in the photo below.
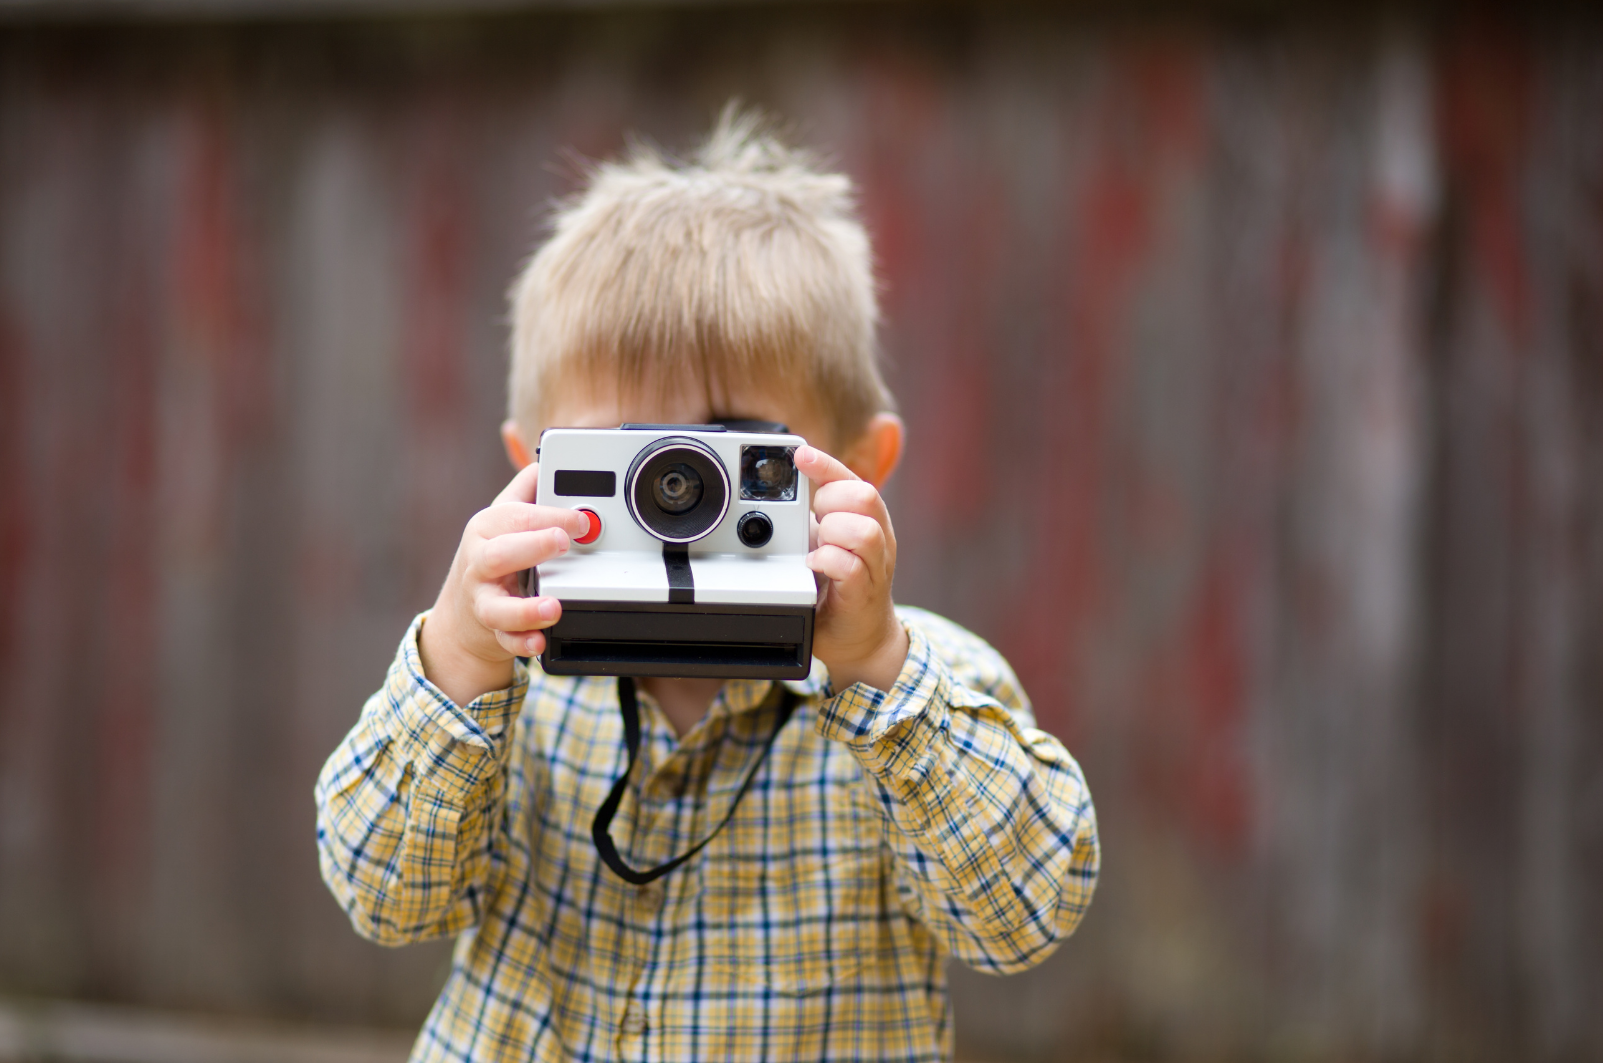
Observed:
{"x":601,"y":827}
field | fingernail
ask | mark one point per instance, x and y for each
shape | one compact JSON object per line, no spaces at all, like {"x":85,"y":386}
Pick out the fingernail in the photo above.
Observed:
{"x":549,"y":609}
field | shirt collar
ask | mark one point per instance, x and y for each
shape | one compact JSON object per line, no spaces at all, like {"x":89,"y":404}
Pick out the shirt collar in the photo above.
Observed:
{"x":816,"y":682}
{"x":743,"y":695}
{"x":739,"y":695}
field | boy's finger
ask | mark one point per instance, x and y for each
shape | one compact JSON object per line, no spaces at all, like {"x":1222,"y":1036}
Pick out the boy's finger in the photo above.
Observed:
{"x":522,"y":487}
{"x":521,"y":643}
{"x":819,"y":467}
{"x":504,"y":612}
{"x":509,"y":517}
{"x":516,"y":551}
{"x":850,"y":496}
{"x":855,"y":532}
{"x":839,"y":564}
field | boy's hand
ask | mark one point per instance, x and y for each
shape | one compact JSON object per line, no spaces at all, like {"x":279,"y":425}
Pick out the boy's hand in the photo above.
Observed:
{"x":480,"y":622}
{"x":856,"y":633}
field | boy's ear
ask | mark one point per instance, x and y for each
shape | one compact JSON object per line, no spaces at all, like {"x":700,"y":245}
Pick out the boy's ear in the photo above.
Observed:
{"x":518,"y":452}
{"x":877,"y":451}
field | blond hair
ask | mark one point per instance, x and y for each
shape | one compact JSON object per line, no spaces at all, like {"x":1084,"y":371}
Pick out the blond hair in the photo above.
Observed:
{"x":742,"y":267}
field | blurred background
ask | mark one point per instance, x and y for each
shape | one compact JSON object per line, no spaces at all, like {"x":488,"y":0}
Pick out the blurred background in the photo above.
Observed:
{"x":1253,"y":360}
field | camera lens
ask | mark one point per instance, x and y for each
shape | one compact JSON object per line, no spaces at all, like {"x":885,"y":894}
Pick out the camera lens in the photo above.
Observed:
{"x":676,"y":488}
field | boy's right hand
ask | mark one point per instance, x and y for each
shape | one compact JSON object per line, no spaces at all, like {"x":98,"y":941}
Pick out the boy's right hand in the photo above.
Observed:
{"x":480,"y":621}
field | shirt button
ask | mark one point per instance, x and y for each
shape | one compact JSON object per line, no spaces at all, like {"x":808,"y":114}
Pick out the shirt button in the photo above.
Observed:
{"x":652,"y":896}
{"x":634,"y":1022}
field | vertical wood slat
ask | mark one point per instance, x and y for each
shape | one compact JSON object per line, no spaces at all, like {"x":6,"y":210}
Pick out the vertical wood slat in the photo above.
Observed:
{"x":1511,"y":707}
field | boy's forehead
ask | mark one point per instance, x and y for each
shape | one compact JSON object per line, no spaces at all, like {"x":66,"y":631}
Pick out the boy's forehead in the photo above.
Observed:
{"x":600,"y":405}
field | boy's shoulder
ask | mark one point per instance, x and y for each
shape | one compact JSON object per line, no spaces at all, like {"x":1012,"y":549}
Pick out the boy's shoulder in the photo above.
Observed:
{"x":971,"y":660}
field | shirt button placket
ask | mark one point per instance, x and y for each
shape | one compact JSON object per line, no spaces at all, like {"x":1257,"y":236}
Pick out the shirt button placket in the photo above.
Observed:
{"x":632,"y":1033}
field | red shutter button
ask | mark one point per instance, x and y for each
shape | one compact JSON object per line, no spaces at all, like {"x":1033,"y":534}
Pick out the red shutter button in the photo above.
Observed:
{"x":595,"y":528}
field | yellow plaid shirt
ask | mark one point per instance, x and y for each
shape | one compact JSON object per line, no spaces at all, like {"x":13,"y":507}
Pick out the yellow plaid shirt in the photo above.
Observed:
{"x":885,"y":831}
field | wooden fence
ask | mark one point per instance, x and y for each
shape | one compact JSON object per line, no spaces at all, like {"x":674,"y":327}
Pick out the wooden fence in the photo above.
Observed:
{"x":1254,"y":372}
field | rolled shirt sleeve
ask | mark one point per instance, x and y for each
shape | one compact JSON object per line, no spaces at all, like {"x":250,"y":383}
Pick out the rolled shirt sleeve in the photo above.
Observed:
{"x":407,"y":805}
{"x":988,"y":817}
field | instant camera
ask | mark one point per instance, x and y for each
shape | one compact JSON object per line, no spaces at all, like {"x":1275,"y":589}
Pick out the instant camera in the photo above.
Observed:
{"x":694,"y":561}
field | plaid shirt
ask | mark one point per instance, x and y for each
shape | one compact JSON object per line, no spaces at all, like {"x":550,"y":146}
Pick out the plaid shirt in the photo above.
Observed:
{"x":885,"y":831}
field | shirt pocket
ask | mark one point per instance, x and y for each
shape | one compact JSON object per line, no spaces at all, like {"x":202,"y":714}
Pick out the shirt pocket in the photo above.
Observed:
{"x":797,"y":923}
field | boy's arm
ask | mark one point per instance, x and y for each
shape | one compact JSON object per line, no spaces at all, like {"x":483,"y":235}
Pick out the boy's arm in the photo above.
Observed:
{"x":408,"y":806}
{"x":989,"y":818}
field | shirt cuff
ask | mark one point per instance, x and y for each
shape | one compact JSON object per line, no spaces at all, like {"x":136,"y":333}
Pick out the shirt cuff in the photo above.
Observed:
{"x":891,"y":733}
{"x":431,"y":725}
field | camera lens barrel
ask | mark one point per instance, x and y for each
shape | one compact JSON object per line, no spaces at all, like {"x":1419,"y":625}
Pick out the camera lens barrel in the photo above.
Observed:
{"x":755,"y":529}
{"x":677,"y":489}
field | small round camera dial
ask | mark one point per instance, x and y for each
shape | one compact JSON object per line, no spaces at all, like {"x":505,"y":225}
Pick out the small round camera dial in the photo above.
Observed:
{"x":755,"y":529}
{"x":594,"y":531}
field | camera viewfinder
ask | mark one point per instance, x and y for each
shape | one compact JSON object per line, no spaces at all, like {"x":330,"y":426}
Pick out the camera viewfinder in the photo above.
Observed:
{"x":767,"y":473}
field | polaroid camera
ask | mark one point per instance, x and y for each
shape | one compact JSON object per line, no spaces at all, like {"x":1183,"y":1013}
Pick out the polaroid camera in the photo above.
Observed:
{"x":694,"y":562}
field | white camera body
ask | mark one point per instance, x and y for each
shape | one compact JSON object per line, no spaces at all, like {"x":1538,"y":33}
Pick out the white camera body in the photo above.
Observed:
{"x":695,"y":562}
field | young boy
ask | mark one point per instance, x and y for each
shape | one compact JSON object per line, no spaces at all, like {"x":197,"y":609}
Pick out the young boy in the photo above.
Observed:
{"x":907,"y":810}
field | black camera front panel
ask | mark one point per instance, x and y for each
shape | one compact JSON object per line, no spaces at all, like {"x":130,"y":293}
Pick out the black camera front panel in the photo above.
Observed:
{"x":680,"y":641}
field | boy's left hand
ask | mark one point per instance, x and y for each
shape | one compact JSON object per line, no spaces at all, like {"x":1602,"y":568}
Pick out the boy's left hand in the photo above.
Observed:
{"x":856,"y":633}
